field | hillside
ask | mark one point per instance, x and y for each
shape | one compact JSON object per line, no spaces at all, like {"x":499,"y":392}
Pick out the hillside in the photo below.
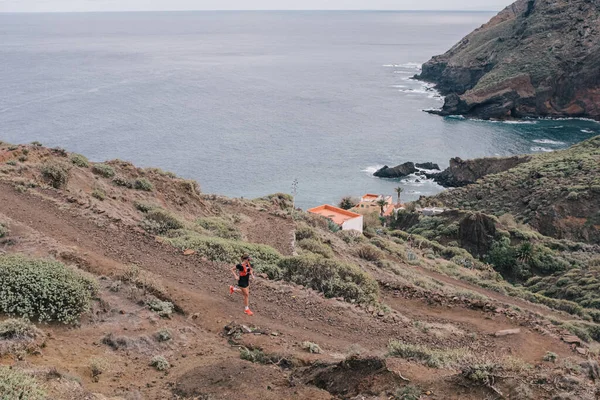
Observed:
{"x":536,"y":58}
{"x":134,"y":265}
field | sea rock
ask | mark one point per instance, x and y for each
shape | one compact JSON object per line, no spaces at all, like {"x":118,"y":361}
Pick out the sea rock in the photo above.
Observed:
{"x":464,"y":172}
{"x":398,"y":171}
{"x":534,"y":59}
{"x":427,"y":165}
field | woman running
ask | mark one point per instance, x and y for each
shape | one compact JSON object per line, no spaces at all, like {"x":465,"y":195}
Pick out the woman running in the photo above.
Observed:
{"x":242,"y":273}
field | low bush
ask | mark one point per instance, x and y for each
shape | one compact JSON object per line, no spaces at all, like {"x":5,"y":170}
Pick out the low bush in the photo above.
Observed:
{"x":257,"y":356}
{"x":225,"y":250}
{"x":143,"y":184}
{"x":79,"y":160}
{"x":144,"y":207}
{"x":163,"y":335}
{"x":159,"y":221}
{"x":98,"y":365}
{"x":162,"y":308}
{"x":350,"y":237}
{"x":433,"y":358}
{"x":104,"y":170}
{"x":18,"y":329}
{"x":317,"y":247}
{"x":56,"y":173}
{"x":18,"y":385}
{"x":304,"y":231}
{"x":408,"y":392}
{"x":331,"y":277}
{"x":43,"y":289}
{"x":120,"y":180}
{"x":99,"y":194}
{"x":550,"y":357}
{"x":3,"y":230}
{"x":312,"y":348}
{"x":220,"y":227}
{"x":369,"y":252}
{"x":160,"y":363}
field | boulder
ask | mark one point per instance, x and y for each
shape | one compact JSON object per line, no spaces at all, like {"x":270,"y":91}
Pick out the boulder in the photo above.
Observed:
{"x":399,"y":171}
{"x":507,"y":332}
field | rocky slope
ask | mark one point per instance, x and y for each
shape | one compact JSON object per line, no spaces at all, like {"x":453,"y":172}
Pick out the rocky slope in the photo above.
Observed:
{"x":557,"y":193}
{"x":536,"y":58}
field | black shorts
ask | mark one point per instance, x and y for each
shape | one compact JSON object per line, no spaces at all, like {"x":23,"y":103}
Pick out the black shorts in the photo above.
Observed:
{"x":244,"y":281}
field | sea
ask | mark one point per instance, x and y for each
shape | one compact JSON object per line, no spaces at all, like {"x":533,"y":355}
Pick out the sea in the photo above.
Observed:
{"x":248,"y":102}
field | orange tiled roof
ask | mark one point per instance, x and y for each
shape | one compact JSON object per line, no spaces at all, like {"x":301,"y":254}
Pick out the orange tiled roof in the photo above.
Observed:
{"x":337,"y":215}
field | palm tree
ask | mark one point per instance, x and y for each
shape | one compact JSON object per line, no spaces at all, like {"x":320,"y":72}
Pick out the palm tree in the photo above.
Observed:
{"x":399,"y":191}
{"x":381,"y":203}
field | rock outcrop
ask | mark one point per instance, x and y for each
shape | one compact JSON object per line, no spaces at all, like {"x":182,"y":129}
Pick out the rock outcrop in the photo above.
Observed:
{"x":536,"y":58}
{"x":464,"y":172}
{"x":428,"y":165}
{"x":398,"y":171}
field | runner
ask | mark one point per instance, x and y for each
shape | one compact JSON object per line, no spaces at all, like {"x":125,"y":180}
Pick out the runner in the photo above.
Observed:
{"x":242,"y":273}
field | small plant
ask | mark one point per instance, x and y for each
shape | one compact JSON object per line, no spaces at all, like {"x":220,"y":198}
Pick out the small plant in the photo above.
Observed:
{"x":312,"y":347}
{"x":220,"y":227}
{"x":12,"y":163}
{"x":550,"y":357}
{"x":99,"y":194}
{"x":22,"y":158}
{"x":317,"y":247}
{"x":143,"y":207}
{"x":143,"y":184}
{"x":434,"y":358}
{"x":120,"y":180}
{"x":18,"y":329}
{"x":162,"y":308}
{"x":333,"y":227}
{"x":79,"y":160}
{"x":18,"y":385}
{"x":36,"y":143}
{"x":3,"y":230}
{"x":104,"y":170}
{"x":98,"y":365}
{"x":12,"y":148}
{"x":348,"y":202}
{"x":408,"y":392}
{"x":369,"y":253}
{"x":254,"y":356}
{"x":481,"y":374}
{"x":160,"y":363}
{"x":56,"y":173}
{"x":164,"y":335}
{"x":160,"y":221}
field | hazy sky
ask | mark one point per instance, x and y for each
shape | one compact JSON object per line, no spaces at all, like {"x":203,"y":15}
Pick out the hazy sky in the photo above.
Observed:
{"x":147,"y":5}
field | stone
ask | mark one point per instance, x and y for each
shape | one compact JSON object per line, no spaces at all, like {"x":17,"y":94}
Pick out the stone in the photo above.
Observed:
{"x":189,"y":252}
{"x":571,"y":339}
{"x":581,"y":350}
{"x":507,"y":332}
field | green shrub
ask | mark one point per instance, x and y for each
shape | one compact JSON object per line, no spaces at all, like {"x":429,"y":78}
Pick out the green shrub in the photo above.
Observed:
{"x":163,"y":335}
{"x":120,"y":180}
{"x":56,"y":173}
{"x":481,"y":374}
{"x":272,"y":271}
{"x":144,"y":207}
{"x":408,"y":392}
{"x":315,"y":246}
{"x":220,"y":227}
{"x":312,"y":347}
{"x":333,"y":227}
{"x":12,"y":163}
{"x":99,"y":194}
{"x":304,"y":231}
{"x":17,"y":385}
{"x":369,"y":252}
{"x":36,"y":143}
{"x":225,"y":250}
{"x":351,"y":236}
{"x":159,"y":221}
{"x":331,"y":277}
{"x":162,"y":308}
{"x":104,"y":170}
{"x":43,"y":289}
{"x":18,"y":329}
{"x":160,"y":363}
{"x":550,"y":357}
{"x":433,"y":358}
{"x":348,"y":202}
{"x":3,"y":230}
{"x":79,"y":160}
{"x":257,"y":356}
{"x":143,"y":184}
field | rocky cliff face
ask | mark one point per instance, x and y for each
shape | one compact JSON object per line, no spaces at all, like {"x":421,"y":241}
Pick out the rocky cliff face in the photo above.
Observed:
{"x":464,"y":172}
{"x":536,"y":58}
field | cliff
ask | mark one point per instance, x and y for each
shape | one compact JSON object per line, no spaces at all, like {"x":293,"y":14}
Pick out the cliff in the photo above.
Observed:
{"x":536,"y":58}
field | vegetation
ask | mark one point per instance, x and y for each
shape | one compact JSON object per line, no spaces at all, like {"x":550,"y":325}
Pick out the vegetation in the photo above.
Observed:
{"x":317,"y":247}
{"x":162,"y":308}
{"x":120,"y":180}
{"x":143,"y":184}
{"x":408,"y":392}
{"x":399,"y":191}
{"x":348,"y":202}
{"x":79,"y":160}
{"x":550,"y":357}
{"x":369,"y":252}
{"x":164,"y":335}
{"x":331,"y":277}
{"x":43,"y":289}
{"x":56,"y":173}
{"x":220,"y":227}
{"x":99,"y":194}
{"x":312,"y":347}
{"x":18,"y":329}
{"x":3,"y":230}
{"x":160,"y":222}
{"x":103,"y":170}
{"x":160,"y":363}
{"x":434,"y":358}
{"x":18,"y":385}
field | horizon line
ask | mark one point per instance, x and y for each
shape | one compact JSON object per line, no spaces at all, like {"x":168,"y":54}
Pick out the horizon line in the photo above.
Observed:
{"x":243,"y":10}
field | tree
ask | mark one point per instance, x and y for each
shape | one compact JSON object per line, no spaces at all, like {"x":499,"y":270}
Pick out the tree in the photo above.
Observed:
{"x":347,"y":203}
{"x":381,"y":203}
{"x":399,"y":191}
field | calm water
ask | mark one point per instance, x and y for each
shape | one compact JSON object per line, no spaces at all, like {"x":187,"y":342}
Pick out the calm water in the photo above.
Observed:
{"x":245,"y":102}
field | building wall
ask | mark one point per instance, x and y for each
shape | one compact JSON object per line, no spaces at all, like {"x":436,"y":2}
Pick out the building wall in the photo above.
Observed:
{"x":353,"y":224}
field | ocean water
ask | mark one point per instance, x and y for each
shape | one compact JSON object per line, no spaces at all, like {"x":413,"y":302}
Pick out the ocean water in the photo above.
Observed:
{"x":246,"y":102}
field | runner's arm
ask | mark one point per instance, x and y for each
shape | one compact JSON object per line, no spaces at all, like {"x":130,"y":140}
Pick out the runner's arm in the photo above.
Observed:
{"x":234,"y":272}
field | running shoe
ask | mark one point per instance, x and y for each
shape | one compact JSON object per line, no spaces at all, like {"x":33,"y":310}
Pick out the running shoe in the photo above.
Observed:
{"x":250,"y":313}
